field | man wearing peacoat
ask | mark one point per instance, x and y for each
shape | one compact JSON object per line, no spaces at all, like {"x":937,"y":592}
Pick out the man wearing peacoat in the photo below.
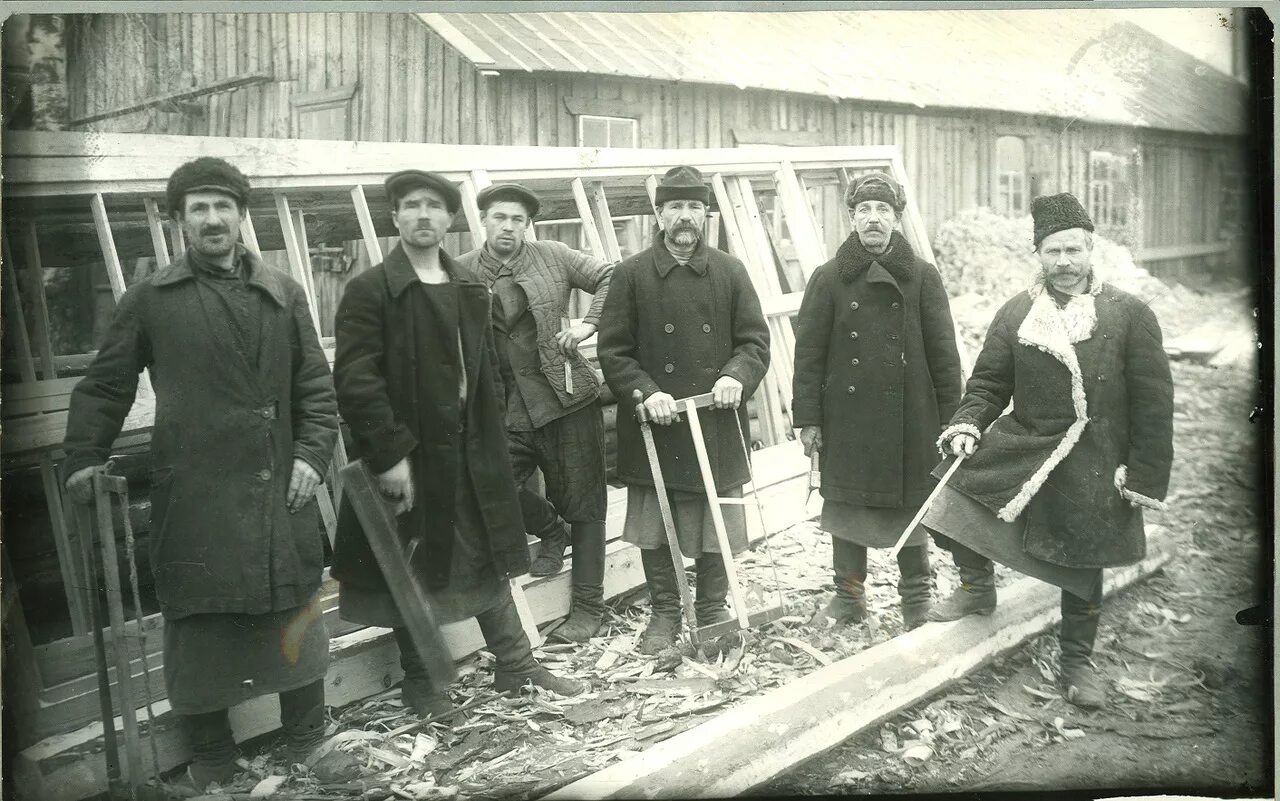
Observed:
{"x":681,"y":319}
{"x":554,"y":422}
{"x":418,"y":384}
{"x":876,"y":373}
{"x":245,"y":423}
{"x":1055,"y":487}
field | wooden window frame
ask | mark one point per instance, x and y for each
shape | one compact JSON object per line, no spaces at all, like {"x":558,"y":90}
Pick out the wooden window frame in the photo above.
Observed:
{"x":999,"y":192}
{"x":323,"y":100}
{"x":608,"y":118}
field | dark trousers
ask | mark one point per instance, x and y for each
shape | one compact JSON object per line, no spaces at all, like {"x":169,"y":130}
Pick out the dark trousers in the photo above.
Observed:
{"x":301,"y":718}
{"x":570,"y":453}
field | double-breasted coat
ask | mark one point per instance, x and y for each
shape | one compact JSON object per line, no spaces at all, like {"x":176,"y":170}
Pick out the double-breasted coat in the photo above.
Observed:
{"x":1089,"y":440}
{"x":225,"y":437}
{"x":676,"y":329}
{"x":392,"y":415}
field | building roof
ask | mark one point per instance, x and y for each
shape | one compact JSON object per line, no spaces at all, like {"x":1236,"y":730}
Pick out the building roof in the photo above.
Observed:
{"x":1089,"y":64}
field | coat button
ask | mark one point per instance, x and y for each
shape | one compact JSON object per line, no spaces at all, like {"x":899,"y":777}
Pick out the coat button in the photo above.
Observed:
{"x":853,"y":335}
{"x":853,"y":305}
{"x":893,"y":336}
{"x":264,"y":474}
{"x":895,"y":305}
{"x":1102,"y":378}
{"x":706,"y":328}
{"x":670,"y":368}
{"x":850,"y":390}
{"x":513,"y":336}
{"x":854,"y":362}
{"x":669,"y":328}
{"x":265,"y":412}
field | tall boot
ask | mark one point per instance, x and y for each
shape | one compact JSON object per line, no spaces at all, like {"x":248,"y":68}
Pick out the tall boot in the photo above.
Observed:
{"x":541,"y":520}
{"x":849,"y":603}
{"x":664,"y":600}
{"x":213,"y":749}
{"x":1081,"y":684}
{"x":976,"y":594}
{"x":914,"y":585}
{"x":587,"y":610}
{"x":713,"y":588}
{"x":417,"y":691}
{"x":303,"y":722}
{"x":515,"y":665}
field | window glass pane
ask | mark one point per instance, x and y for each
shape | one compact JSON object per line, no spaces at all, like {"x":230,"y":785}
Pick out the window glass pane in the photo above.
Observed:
{"x":593,"y":132}
{"x":1011,"y":154}
{"x":622,"y":132}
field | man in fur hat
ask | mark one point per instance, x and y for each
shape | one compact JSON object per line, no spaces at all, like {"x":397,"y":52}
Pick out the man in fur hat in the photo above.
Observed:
{"x":876,"y":374}
{"x":244,"y":429}
{"x":552,"y":423}
{"x":681,"y":319}
{"x":1055,"y":487}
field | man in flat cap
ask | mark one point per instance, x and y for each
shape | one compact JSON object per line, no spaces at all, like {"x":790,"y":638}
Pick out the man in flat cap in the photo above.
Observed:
{"x":681,"y":319}
{"x":418,"y":385}
{"x":554,"y":422}
{"x":1055,"y":487}
{"x":245,"y":424}
{"x":877,"y":372}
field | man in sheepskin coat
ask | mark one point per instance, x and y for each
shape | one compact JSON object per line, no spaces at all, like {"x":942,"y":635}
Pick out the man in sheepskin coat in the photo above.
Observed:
{"x":1055,"y":487}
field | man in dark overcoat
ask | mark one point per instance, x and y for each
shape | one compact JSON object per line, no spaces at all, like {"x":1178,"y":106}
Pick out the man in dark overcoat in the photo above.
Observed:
{"x":554,"y":423}
{"x":876,"y":373}
{"x":1055,"y":486}
{"x":682,"y":319}
{"x":418,"y":384}
{"x":245,"y":423}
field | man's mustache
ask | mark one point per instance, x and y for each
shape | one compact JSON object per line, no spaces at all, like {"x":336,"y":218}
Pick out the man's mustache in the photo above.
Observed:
{"x":214,"y":231}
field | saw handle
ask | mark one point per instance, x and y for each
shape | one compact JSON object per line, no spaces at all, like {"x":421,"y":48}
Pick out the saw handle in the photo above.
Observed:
{"x":702,"y":401}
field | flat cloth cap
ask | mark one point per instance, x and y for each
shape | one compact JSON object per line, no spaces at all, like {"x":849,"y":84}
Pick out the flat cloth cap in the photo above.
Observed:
{"x":1053,"y":213}
{"x":402,"y":183}
{"x":516,"y":193}
{"x":209,"y":174}
{"x":876,"y":186}
{"x":682,"y":183}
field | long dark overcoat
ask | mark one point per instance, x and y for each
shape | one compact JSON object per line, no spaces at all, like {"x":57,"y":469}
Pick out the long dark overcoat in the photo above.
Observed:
{"x":676,"y":329}
{"x":877,"y":367}
{"x":225,"y":437}
{"x":375,"y":371}
{"x":1082,"y":408}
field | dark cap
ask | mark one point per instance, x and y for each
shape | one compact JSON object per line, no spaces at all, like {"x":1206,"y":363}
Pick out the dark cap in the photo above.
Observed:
{"x":206,"y":173}
{"x":682,"y":183}
{"x":1053,"y":213}
{"x":876,"y":186}
{"x":403,"y":182}
{"x":509,"y":192}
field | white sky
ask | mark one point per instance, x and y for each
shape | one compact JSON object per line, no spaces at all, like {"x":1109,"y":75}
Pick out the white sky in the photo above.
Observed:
{"x":1199,"y":31}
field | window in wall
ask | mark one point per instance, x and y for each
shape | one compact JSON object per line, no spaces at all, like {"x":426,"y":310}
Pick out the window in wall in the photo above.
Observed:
{"x":1108,"y":194}
{"x":1011,"y":175}
{"x":599,"y":131}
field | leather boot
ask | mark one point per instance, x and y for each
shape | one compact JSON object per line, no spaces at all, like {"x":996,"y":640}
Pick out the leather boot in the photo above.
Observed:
{"x":549,"y":558}
{"x":713,"y":587}
{"x":1081,"y":685}
{"x":664,"y":600}
{"x":849,"y":603}
{"x":914,"y":586}
{"x":587,"y":610}
{"x":514,"y":662}
{"x":213,"y":749}
{"x":303,"y":722}
{"x":417,"y":691}
{"x":976,"y":594}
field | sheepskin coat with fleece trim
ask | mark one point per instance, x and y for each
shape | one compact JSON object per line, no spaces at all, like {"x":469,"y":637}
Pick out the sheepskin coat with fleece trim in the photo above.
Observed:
{"x":1089,"y":440}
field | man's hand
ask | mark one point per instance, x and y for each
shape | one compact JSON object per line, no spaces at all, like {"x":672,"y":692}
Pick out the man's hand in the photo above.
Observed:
{"x":811,"y":439}
{"x":569,"y":339}
{"x":302,"y":485}
{"x":661,"y":408}
{"x":80,"y":484}
{"x":397,"y":485}
{"x":964,"y":444}
{"x":727,"y":393}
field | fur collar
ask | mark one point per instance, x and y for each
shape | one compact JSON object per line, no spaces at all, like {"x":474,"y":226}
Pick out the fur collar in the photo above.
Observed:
{"x":1079,"y":316}
{"x":852,"y":259}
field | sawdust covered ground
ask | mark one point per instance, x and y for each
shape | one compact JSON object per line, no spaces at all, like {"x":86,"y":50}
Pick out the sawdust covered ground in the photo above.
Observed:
{"x":1189,"y":688}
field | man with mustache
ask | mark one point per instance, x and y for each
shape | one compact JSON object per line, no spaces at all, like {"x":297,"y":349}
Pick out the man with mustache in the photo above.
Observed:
{"x":418,"y":384}
{"x":1054,"y":487}
{"x":552,"y":424}
{"x":877,"y":372}
{"x":682,"y":319}
{"x":245,"y":423}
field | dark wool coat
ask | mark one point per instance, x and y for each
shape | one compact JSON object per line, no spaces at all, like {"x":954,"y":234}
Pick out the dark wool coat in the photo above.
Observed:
{"x":877,"y":367}
{"x":1090,"y":435}
{"x":375,"y":370}
{"x":677,"y":328}
{"x":225,"y":437}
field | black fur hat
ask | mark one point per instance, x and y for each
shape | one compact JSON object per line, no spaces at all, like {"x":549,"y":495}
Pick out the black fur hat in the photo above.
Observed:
{"x":1054,"y":213}
{"x":682,"y":183}
{"x":876,"y":186}
{"x":206,"y":173}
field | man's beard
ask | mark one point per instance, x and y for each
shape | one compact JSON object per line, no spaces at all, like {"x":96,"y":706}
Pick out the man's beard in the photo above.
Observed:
{"x":208,"y":247}
{"x":683,"y":235}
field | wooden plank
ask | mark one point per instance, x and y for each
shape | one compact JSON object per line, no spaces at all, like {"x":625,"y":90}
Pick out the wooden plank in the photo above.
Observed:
{"x":609,"y":237}
{"x":589,"y":227}
{"x":115,"y":275}
{"x":798,"y":720}
{"x":180,"y":96}
{"x":420,"y":85}
{"x":472,"y":211}
{"x":437,"y":89}
{"x":367,"y":231}
{"x":297,"y":260}
{"x":157,"y":233}
{"x":1193,"y":250}
{"x":39,"y":304}
{"x":249,"y":235}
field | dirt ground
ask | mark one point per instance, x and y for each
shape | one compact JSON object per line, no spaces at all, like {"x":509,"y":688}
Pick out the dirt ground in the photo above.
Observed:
{"x":1190,"y":706}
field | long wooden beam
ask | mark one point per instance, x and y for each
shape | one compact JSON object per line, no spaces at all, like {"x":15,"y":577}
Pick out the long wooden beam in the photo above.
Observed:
{"x":752,"y":743}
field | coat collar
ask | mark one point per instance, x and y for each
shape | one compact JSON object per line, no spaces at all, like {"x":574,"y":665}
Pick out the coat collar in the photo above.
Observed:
{"x":261,"y":276}
{"x":895,"y":265}
{"x":400,"y":272}
{"x":664,"y":262}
